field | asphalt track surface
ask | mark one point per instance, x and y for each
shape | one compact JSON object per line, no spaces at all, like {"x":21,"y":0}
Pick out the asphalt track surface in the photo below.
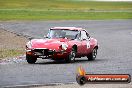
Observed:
{"x":114,"y":54}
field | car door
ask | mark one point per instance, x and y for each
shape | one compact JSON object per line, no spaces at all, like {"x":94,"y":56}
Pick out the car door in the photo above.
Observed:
{"x":79,"y":44}
{"x":85,"y":43}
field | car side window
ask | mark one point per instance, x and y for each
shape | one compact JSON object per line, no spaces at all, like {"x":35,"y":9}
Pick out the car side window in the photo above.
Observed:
{"x":88,"y":35}
{"x":84,"y":35}
{"x":78,"y":36}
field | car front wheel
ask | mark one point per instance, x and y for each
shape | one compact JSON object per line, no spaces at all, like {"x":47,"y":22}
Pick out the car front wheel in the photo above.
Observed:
{"x":92,"y":55}
{"x":31,"y":59}
{"x":71,"y":56}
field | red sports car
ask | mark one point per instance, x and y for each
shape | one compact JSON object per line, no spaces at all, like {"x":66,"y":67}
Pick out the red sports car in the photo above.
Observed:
{"x":62,"y":43}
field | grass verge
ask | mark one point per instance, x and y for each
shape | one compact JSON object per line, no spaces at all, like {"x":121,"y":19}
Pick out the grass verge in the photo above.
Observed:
{"x":61,"y":15}
{"x":4,"y":53}
{"x":11,"y":45}
{"x":63,"y":10}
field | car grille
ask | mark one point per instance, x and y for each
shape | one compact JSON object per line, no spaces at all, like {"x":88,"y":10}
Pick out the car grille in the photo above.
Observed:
{"x":45,"y":52}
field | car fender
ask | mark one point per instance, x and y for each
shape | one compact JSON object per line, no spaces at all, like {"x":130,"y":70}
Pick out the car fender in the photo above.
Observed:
{"x":93,"y":43}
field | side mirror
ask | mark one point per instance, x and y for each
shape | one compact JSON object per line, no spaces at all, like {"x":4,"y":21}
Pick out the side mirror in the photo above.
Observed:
{"x":45,"y":36}
{"x":30,"y":38}
{"x":83,"y":39}
{"x":86,"y":39}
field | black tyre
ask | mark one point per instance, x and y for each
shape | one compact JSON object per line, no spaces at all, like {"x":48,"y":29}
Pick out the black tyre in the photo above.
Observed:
{"x":71,"y":56}
{"x":92,"y":55}
{"x":31,"y":59}
{"x":81,"y":80}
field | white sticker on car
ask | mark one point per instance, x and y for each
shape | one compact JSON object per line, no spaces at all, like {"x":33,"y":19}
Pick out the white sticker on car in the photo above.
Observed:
{"x":88,"y":44}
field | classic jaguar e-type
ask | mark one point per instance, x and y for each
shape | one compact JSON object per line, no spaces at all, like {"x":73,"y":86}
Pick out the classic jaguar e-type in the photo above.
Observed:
{"x":62,"y":43}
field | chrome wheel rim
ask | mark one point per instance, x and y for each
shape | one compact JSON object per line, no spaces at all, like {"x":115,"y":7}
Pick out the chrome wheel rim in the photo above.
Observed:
{"x":94,"y":53}
{"x":72,"y":55}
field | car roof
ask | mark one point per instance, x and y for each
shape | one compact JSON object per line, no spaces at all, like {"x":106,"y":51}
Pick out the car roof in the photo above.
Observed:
{"x":68,"y":28}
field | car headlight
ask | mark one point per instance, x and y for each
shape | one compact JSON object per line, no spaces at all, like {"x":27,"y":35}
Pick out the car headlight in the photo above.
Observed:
{"x":64,"y":46}
{"x":29,"y":44}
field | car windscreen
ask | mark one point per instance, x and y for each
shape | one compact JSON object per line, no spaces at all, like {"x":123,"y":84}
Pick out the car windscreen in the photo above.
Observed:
{"x":62,"y":33}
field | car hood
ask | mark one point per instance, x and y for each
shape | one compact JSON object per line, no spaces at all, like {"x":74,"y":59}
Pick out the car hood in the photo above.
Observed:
{"x":48,"y":43}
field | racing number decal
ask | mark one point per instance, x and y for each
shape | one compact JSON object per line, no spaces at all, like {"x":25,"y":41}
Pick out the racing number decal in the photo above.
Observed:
{"x":88,"y":44}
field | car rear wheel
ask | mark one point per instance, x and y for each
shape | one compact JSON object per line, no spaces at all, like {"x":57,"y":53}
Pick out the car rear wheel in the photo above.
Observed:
{"x":92,"y":55}
{"x":71,"y":56}
{"x":31,"y":59}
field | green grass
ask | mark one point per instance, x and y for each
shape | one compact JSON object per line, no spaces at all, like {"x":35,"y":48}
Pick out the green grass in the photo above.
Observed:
{"x":63,"y":10}
{"x":59,"y":15}
{"x":63,"y":4}
{"x":10,"y":53}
